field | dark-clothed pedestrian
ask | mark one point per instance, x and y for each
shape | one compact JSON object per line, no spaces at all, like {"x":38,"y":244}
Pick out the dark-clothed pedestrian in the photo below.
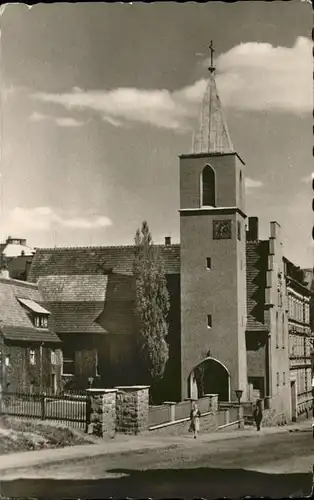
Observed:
{"x":195,"y":420}
{"x":258,"y":414}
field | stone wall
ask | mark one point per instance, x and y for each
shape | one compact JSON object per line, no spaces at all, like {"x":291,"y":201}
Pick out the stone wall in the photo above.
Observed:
{"x":271,"y":418}
{"x":208,"y":423}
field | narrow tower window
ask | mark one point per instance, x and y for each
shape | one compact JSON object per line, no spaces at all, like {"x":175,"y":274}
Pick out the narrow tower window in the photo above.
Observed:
{"x":209,"y":321}
{"x":240,"y":187}
{"x":208,"y":263}
{"x":239,"y":230}
{"x":208,"y":187}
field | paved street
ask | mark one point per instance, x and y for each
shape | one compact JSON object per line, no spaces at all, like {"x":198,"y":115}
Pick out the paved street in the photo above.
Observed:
{"x":258,"y":464}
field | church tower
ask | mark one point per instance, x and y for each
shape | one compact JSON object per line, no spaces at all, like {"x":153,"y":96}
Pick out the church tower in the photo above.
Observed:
{"x":213,"y":268}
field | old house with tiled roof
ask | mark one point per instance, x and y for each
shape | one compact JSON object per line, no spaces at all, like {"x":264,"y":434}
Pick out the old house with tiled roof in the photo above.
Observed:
{"x":91,"y":295}
{"x":30,"y":355}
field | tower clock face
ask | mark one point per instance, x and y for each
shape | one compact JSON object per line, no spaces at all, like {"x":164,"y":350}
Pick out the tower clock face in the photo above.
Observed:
{"x":222,"y":229}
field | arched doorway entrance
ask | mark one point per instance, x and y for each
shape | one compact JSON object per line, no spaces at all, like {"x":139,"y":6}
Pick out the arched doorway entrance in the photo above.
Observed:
{"x":210,"y":376}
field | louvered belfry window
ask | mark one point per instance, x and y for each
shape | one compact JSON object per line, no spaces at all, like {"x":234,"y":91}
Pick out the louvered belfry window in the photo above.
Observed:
{"x":208,"y":187}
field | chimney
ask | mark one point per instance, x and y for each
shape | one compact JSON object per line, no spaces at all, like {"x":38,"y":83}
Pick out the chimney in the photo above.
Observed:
{"x":167,"y":240}
{"x":252,"y":233}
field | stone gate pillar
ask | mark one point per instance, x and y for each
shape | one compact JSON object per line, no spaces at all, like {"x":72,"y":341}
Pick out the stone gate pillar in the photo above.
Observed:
{"x":101,"y":407}
{"x":132,"y":403}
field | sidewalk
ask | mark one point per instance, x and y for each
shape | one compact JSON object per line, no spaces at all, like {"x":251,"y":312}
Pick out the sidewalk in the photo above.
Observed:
{"x":126,"y":444}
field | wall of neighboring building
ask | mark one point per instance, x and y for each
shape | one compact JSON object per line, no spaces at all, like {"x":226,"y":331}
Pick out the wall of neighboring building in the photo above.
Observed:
{"x":257,"y":329}
{"x":28,"y":368}
{"x":277,"y":319}
{"x":300,"y":344}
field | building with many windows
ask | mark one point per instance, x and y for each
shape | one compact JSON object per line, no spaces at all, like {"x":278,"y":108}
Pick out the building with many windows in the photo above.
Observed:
{"x":300,"y":338}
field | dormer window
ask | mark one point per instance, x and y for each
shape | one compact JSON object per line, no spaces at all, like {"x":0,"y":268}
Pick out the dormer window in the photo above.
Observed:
{"x":38,"y":314}
{"x":41,"y":320}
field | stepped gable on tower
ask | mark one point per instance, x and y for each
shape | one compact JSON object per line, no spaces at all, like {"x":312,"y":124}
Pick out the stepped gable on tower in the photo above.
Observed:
{"x":212,"y":135}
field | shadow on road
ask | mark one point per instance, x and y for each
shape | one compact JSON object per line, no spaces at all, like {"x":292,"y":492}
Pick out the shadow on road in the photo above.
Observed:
{"x":167,"y":483}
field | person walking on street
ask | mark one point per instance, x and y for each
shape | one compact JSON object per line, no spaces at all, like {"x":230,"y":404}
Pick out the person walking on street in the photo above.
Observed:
{"x":195,"y":420}
{"x":258,"y":414}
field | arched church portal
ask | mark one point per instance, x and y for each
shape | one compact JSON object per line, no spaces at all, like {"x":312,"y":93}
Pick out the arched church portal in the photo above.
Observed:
{"x":209,"y":377}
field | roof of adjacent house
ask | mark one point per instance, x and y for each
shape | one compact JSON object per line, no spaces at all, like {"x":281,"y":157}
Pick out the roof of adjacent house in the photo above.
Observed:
{"x":95,"y":260}
{"x":256,"y":267}
{"x":15,"y":320}
{"x":71,"y":279}
{"x":75,"y":301}
{"x":74,"y":288}
{"x":76,"y":317}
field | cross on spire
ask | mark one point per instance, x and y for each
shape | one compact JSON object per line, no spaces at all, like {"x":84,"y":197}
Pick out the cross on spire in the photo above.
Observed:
{"x":212,"y":50}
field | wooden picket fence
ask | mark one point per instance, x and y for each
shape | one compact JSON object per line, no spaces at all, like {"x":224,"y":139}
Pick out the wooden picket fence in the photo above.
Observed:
{"x":70,"y":408}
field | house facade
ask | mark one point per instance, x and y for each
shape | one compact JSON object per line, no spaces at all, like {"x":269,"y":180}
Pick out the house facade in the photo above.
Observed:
{"x":300,"y":338}
{"x":30,"y":354}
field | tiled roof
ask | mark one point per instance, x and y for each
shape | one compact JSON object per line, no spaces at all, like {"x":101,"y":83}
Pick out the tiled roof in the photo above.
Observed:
{"x":256,"y":267}
{"x":15,"y":322}
{"x":76,"y":317}
{"x":95,"y":260}
{"x":29,"y":334}
{"x":75,"y":288}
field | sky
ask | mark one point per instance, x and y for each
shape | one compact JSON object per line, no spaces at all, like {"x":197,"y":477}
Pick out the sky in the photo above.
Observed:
{"x":99,"y":100}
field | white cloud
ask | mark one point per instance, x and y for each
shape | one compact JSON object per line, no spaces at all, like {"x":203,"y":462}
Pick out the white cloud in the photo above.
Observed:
{"x":251,"y":76}
{"x":46,"y":219}
{"x":258,"y":76}
{"x":112,"y":121}
{"x":68,"y":122}
{"x":164,"y":109}
{"x":307,"y":179}
{"x":37,"y":117}
{"x":252,"y":184}
{"x":60,"y":121}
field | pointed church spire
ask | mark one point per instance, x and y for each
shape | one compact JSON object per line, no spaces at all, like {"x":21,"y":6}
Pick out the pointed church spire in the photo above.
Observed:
{"x":212,"y":135}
